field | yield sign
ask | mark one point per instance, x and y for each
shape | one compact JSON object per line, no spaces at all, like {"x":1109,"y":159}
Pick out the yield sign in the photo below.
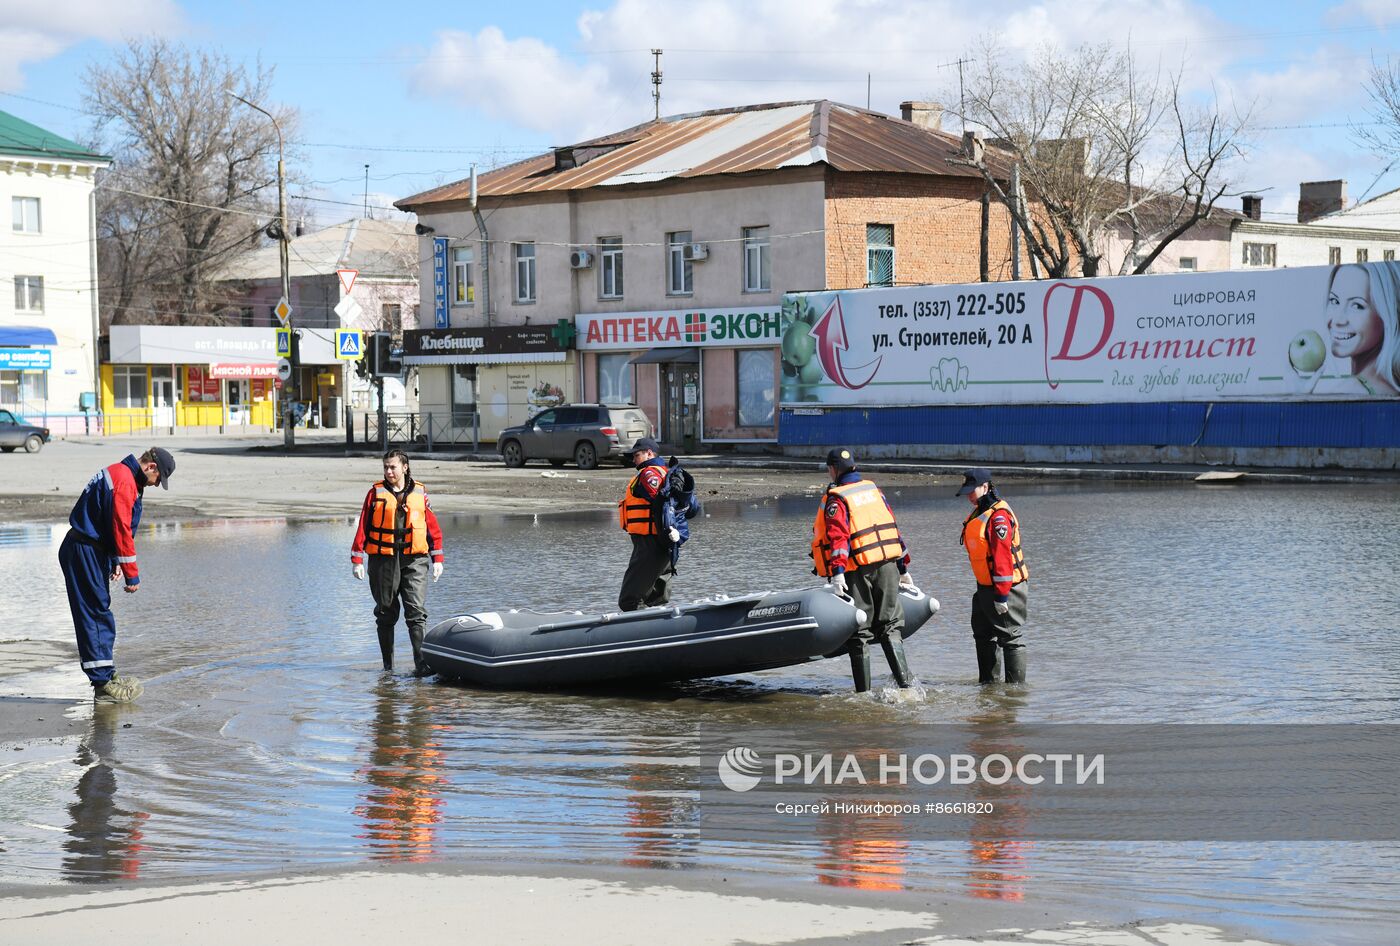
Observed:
{"x":347,"y":278}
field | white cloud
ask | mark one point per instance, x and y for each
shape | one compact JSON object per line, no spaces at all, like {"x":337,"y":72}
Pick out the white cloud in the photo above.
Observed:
{"x":729,"y":52}
{"x":35,"y":31}
{"x":1379,"y":12}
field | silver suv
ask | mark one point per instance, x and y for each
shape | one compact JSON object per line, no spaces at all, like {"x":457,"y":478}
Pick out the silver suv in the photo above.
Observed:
{"x":584,"y":433}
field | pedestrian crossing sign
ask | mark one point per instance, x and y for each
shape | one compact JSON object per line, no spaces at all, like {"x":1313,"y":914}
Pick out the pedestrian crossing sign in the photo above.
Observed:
{"x":347,"y":344}
{"x":284,"y":343}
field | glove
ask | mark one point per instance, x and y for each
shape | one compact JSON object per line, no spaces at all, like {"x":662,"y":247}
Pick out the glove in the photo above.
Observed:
{"x":359,"y":571}
{"x":1001,"y":607}
{"x":907,"y":580}
{"x":675,"y":535}
{"x":838,"y":582}
{"x":437,"y":570}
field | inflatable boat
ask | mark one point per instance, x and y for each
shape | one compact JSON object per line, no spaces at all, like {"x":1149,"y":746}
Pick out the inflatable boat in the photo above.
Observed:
{"x":713,"y":637}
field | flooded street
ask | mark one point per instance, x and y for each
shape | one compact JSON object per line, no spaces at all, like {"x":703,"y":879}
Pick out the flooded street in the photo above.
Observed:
{"x":268,"y":738}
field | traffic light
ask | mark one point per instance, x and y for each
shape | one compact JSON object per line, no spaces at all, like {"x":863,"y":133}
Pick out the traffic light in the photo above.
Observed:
{"x":383,"y":359}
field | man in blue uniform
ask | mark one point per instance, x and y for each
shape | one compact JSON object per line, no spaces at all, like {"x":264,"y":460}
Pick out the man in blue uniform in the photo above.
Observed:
{"x":100,"y":548}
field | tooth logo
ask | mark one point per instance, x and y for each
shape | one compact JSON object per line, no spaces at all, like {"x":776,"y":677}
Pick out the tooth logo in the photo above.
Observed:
{"x":740,"y":769}
{"x":948,"y":376}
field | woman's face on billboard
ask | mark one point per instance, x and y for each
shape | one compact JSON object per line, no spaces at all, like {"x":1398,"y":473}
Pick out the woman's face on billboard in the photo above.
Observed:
{"x":1355,"y":326}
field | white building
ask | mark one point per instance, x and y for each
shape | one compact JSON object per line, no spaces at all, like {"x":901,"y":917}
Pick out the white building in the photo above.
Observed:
{"x":48,"y":319}
{"x":1327,"y":232}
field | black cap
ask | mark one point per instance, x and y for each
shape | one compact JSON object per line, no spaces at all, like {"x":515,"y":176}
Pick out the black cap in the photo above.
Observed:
{"x":645,"y":443}
{"x":165,"y":463}
{"x":841,"y":458}
{"x":972,"y":479}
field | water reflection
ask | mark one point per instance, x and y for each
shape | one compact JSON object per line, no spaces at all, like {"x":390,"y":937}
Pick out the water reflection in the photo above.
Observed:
{"x":105,"y":839}
{"x":402,"y":807}
{"x":999,"y":852}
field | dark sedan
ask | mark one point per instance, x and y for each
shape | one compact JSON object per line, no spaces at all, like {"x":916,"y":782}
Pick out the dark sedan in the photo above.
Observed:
{"x":15,"y":433}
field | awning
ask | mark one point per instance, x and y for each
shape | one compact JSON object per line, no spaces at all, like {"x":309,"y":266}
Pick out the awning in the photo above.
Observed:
{"x":519,"y":358}
{"x":660,"y":356}
{"x":27,"y":335}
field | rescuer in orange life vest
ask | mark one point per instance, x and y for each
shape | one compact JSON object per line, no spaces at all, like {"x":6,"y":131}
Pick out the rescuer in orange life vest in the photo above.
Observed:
{"x":399,"y":533}
{"x":653,"y":528}
{"x":856,"y":543}
{"x":992,"y":537}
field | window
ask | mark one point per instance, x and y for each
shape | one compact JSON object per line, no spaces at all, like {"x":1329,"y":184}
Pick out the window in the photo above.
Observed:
{"x":1334,"y":255}
{"x":25,"y":211}
{"x":1259,"y":254}
{"x":1388,"y":255}
{"x":575,"y":415}
{"x":755,"y":374}
{"x":245,"y":315}
{"x":615,"y":378}
{"x":1363,"y":255}
{"x":879,"y":254}
{"x":544,"y":419}
{"x":29,"y":293}
{"x":463,"y":289}
{"x":463,"y":395}
{"x":391,"y":318}
{"x":21,"y":387}
{"x":680,"y":275}
{"x":524,"y":272}
{"x":610,"y":267}
{"x":757,"y":277}
{"x":129,"y":386}
{"x":1186,"y":264}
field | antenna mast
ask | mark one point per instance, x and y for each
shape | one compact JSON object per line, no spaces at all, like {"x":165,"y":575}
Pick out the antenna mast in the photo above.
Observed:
{"x":656,"y":83}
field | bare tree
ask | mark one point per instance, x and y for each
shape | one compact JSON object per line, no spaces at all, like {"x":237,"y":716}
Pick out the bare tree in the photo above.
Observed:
{"x":1105,"y":152}
{"x":1382,"y":135}
{"x":194,"y":179}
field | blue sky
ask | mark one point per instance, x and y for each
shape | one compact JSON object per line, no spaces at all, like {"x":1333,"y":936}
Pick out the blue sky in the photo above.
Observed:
{"x":419,"y":92}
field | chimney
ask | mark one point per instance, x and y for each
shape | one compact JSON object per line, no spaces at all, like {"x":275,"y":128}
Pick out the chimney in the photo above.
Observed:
{"x":301,"y":225}
{"x":1253,"y":206}
{"x":1316,"y":198}
{"x":1068,"y":155}
{"x":924,"y":114}
{"x":973,"y":147}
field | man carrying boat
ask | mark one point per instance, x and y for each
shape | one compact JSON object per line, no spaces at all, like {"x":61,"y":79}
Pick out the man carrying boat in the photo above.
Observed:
{"x":399,"y":533}
{"x":642,"y":513}
{"x":857,"y":545}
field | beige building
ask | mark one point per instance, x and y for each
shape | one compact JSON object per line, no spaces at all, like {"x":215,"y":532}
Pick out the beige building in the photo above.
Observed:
{"x":48,"y":308}
{"x":654,"y":260}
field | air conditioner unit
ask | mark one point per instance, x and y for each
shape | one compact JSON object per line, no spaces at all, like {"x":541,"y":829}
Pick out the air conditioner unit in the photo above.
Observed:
{"x":693,"y":252}
{"x":580,"y":259}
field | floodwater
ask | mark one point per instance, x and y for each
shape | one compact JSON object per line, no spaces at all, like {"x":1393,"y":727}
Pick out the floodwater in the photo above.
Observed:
{"x":268,"y":739}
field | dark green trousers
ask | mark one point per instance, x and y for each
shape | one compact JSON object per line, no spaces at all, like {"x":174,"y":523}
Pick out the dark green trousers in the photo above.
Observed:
{"x":875,"y":590}
{"x":647,"y":582}
{"x":997,"y":635}
{"x":394,"y":579}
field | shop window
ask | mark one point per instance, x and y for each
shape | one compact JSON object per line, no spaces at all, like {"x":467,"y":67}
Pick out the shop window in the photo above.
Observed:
{"x":463,"y":395}
{"x":615,"y":378}
{"x":25,"y":214}
{"x":879,"y":254}
{"x":610,"y":267}
{"x":19,"y":388}
{"x":755,"y":379}
{"x":680,"y":272}
{"x":463,"y":289}
{"x":29,"y":293}
{"x":757,"y":277}
{"x":129,"y":387}
{"x":524,"y":272}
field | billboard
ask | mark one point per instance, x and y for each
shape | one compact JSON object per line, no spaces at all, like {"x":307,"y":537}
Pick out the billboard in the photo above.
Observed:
{"x":746,"y":326}
{"x":1312,"y":333}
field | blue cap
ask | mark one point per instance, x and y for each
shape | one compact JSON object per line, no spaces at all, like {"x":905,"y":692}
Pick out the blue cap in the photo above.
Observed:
{"x":645,"y":443}
{"x":841,"y":458}
{"x":972,"y":479}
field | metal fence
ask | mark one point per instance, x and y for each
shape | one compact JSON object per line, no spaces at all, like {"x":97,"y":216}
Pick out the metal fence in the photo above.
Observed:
{"x":424,"y":430}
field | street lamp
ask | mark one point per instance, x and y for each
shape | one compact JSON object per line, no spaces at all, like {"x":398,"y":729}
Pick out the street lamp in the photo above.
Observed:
{"x":288,"y":425}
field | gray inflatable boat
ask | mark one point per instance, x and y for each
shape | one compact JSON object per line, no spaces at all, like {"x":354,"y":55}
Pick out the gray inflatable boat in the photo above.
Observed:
{"x":523,"y":649}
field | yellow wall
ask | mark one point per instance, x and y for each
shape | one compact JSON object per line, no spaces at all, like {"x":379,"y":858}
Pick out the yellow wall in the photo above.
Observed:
{"x":262,"y":413}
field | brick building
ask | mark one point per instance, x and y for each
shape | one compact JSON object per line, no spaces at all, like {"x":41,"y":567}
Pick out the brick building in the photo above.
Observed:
{"x":664,"y":251}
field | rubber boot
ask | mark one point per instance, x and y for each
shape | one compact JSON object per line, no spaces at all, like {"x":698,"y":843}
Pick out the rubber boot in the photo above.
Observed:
{"x":1015,"y":658}
{"x":415,"y":637}
{"x":860,"y":664}
{"x":893,"y":645}
{"x":386,"y":646}
{"x":987,"y":663}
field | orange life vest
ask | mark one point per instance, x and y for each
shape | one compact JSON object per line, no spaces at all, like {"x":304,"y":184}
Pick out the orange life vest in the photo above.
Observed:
{"x":634,"y":511}
{"x":979,"y":552}
{"x":874,"y":535}
{"x":384,"y":535}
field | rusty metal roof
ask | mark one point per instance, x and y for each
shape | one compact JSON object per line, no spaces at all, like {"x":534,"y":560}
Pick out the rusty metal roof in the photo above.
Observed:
{"x":725,"y":141}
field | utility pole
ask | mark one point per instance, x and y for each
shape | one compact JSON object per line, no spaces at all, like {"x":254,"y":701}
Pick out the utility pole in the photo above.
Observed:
{"x":656,"y":82}
{"x":366,"y":191}
{"x":283,"y":239}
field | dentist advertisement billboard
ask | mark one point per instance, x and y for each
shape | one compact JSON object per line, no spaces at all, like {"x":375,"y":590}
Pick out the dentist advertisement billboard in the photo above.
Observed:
{"x":1311,"y":333}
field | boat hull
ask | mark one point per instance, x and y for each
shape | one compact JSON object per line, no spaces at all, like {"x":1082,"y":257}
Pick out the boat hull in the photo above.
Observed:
{"x":522,"y":649}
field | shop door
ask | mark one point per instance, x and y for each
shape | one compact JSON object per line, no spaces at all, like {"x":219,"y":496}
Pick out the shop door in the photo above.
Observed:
{"x":680,"y":402}
{"x":237,"y":401}
{"x":162,"y":397}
